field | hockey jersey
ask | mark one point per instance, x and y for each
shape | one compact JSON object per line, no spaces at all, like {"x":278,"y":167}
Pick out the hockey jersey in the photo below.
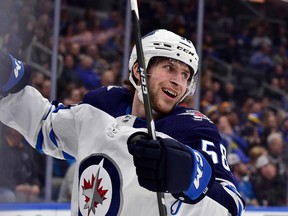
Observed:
{"x":95,"y":133}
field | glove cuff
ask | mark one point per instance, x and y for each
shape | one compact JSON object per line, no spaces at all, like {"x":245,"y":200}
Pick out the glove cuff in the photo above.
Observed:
{"x":16,"y":74}
{"x":202,"y":178}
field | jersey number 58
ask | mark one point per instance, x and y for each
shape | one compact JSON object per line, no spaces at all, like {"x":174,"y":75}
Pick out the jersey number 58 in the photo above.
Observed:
{"x":210,"y":148}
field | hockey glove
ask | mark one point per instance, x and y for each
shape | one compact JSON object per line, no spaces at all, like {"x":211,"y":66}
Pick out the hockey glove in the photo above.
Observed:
{"x":12,"y":77}
{"x":165,"y":165}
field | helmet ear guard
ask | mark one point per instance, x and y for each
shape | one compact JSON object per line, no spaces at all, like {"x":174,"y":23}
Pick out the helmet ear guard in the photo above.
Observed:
{"x":163,"y":43}
{"x":133,"y":82}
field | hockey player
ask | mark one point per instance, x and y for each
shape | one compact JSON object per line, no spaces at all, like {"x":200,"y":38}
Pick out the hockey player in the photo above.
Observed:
{"x":106,"y":134}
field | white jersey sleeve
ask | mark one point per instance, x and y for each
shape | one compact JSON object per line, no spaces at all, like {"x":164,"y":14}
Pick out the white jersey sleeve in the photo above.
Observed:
{"x":32,"y":115}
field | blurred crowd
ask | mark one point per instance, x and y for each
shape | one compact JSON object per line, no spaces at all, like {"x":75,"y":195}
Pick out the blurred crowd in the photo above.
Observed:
{"x":254,"y":127}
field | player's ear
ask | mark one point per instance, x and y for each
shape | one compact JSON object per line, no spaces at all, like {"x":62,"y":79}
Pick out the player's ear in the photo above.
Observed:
{"x":135,"y":71}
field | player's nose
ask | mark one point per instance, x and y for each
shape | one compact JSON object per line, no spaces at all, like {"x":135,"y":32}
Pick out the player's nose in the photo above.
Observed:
{"x":174,"y":82}
{"x":177,"y":79}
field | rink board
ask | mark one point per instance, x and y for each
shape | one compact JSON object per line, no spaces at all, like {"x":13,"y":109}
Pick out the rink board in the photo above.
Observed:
{"x":35,"y":209}
{"x":57,"y":209}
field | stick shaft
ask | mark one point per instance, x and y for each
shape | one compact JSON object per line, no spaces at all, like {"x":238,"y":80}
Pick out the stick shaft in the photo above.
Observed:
{"x":145,"y":91}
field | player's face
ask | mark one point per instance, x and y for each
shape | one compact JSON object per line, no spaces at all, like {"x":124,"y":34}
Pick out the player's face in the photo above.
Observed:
{"x":167,"y":84}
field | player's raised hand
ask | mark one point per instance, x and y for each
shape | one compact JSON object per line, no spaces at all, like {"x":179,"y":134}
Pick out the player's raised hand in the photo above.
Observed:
{"x":12,"y":74}
{"x":165,"y":165}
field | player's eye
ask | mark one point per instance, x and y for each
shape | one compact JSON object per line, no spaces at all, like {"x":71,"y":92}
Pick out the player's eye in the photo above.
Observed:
{"x":169,"y":67}
{"x":185,"y":75}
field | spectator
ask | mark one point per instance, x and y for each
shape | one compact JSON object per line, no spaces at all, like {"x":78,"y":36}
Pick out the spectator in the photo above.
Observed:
{"x":75,"y":96}
{"x":209,"y":47}
{"x":206,"y":80}
{"x":46,"y":88}
{"x":276,"y":151}
{"x":207,"y":100}
{"x":100,"y":64}
{"x":116,"y":67}
{"x":262,"y":60}
{"x":241,"y":173}
{"x":281,"y":55}
{"x":27,"y":22}
{"x":87,"y":74}
{"x":254,"y":153}
{"x":69,"y":74}
{"x":275,"y":184}
{"x":243,"y":38}
{"x":108,"y":77}
{"x":12,"y":41}
{"x":43,"y":29}
{"x":251,"y":130}
{"x":75,"y":50}
{"x":245,"y":109}
{"x":37,"y":79}
{"x":261,"y":36}
{"x":233,"y":142}
{"x":233,"y":117}
{"x":270,"y":124}
{"x":212,"y":113}
{"x":230,"y":94}
{"x":69,"y":77}
{"x":20,"y":181}
{"x":89,"y":17}
{"x":279,"y":75}
{"x":230,"y":51}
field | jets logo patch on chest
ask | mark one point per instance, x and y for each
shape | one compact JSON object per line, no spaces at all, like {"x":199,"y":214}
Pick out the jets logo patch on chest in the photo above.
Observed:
{"x":99,"y":186}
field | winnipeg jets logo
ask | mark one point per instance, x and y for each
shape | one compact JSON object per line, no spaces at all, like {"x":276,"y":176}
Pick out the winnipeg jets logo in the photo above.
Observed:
{"x":93,"y":192}
{"x":196,"y":115}
{"x":99,"y":189}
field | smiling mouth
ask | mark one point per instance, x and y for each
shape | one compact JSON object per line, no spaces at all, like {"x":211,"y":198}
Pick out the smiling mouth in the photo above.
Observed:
{"x":170,"y":93}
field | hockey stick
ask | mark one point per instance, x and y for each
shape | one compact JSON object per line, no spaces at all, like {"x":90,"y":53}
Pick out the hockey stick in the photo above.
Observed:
{"x":145,"y":90}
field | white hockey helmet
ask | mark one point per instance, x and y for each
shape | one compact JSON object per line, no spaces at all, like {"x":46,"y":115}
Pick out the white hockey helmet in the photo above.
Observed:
{"x":164,"y":43}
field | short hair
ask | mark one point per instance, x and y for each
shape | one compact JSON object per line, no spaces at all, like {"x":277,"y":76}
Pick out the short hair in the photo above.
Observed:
{"x":273,"y":136}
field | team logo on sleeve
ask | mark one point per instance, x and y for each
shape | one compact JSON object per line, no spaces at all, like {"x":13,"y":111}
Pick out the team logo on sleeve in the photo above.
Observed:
{"x":196,"y":115}
{"x":99,"y":187}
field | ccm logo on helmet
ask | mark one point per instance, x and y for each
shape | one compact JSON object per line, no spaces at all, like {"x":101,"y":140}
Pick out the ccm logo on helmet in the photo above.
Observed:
{"x":185,"y":50}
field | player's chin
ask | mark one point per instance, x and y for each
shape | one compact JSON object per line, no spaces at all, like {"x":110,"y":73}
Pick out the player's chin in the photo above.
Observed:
{"x":164,"y":108}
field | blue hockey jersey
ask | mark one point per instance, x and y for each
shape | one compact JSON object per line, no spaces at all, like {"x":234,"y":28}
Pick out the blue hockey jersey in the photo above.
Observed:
{"x":198,"y":132}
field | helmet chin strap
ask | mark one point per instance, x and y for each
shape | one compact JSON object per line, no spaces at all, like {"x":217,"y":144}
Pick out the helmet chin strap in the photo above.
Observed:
{"x":137,"y":87}
{"x":139,"y":93}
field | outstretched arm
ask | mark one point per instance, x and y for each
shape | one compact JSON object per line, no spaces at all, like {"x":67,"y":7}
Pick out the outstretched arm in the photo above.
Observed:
{"x":26,"y":110}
